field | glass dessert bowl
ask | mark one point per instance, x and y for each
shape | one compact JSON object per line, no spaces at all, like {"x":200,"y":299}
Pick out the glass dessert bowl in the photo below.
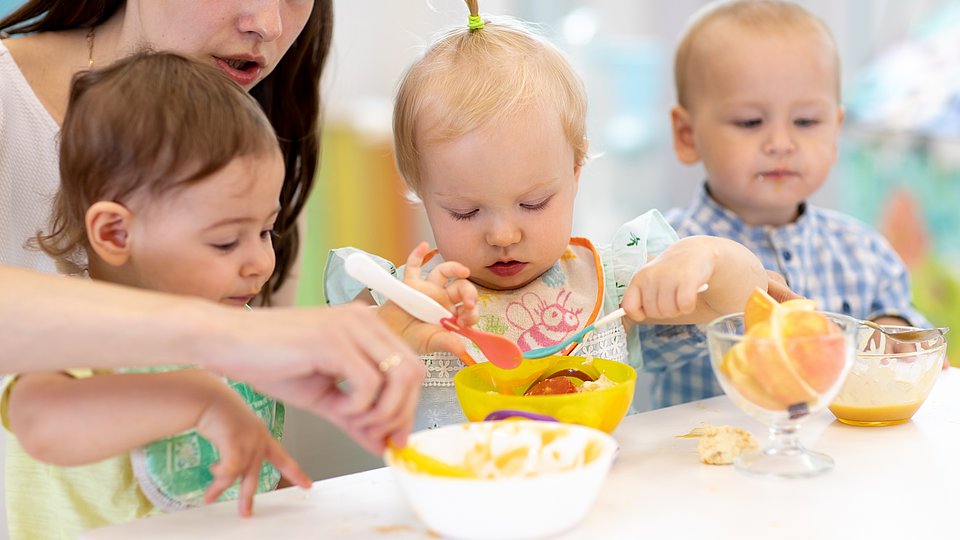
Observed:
{"x":889,"y":380}
{"x":781,"y":367}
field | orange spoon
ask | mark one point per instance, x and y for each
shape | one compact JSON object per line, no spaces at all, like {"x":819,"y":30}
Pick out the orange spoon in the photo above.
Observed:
{"x":500,"y":351}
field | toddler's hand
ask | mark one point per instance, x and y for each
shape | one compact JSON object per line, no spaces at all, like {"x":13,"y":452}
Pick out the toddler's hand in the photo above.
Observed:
{"x":778,"y":289}
{"x":892,"y":346}
{"x":447,"y":284}
{"x":666,"y":287}
{"x":244,"y":444}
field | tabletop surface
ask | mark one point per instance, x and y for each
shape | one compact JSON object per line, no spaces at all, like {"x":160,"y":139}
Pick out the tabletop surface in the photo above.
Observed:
{"x":889,"y":482}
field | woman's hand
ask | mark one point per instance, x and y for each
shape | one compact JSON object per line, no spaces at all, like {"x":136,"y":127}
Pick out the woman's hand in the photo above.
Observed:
{"x":342,"y":363}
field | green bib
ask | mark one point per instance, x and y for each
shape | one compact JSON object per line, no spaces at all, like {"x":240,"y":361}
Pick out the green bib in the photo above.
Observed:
{"x":174,"y":472}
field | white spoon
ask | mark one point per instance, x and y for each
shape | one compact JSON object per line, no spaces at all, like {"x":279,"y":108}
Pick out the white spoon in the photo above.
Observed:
{"x":499,"y":350}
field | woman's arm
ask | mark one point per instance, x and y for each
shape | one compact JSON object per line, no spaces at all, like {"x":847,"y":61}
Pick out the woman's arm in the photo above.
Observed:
{"x":92,"y":324}
{"x":301,"y":356}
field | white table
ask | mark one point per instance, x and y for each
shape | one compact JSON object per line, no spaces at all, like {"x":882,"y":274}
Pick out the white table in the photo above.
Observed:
{"x":893,"y":482}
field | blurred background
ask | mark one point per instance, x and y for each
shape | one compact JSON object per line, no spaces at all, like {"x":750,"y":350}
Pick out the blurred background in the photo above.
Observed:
{"x":899,"y":167}
{"x":900,"y":151}
{"x":899,"y":155}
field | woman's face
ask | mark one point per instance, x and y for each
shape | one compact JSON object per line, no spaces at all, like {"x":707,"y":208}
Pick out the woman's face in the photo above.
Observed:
{"x":244,"y":38}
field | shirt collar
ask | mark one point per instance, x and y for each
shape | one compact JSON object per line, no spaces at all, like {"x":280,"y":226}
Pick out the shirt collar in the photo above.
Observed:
{"x":703,"y":201}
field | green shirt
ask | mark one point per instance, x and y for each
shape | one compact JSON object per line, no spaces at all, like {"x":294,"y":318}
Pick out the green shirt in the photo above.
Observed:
{"x":49,"y":502}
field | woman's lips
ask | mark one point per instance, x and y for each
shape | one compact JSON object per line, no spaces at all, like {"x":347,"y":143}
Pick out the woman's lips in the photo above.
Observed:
{"x":507,"y":268}
{"x":246,"y":77}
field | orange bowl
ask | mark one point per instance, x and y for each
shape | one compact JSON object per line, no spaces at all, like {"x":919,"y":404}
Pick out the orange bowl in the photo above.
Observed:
{"x":484,"y":389}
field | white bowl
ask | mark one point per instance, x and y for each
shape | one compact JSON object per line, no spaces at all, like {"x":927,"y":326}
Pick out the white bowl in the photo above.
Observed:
{"x":541,"y":502}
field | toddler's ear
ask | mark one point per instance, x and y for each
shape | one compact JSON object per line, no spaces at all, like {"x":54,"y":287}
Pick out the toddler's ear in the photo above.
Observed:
{"x":578,"y":167}
{"x":683,"y":144}
{"x":108,"y":230}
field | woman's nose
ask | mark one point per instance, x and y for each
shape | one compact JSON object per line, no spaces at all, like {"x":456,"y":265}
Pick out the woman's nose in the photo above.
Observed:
{"x":263,"y":18}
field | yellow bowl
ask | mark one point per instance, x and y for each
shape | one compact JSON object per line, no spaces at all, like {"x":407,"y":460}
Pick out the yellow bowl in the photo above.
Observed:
{"x":484,"y":389}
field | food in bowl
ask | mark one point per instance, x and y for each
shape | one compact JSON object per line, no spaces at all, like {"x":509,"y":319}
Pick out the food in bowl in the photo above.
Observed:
{"x":567,"y":381}
{"x":788,"y":356}
{"x":533,"y":479}
{"x":602,"y":402}
{"x":889,"y":380}
{"x":551,"y":386}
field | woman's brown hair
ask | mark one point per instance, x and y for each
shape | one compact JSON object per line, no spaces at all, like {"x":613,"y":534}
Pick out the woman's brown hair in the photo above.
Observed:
{"x":290,"y":97}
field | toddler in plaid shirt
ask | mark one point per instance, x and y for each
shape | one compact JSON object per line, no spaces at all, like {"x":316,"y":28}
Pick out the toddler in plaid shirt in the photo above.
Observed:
{"x":758,"y":89}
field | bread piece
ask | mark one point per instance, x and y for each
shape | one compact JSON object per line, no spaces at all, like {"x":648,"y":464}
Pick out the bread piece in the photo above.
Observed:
{"x":719,"y":445}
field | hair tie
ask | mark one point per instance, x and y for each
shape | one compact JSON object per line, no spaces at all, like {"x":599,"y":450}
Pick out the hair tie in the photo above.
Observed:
{"x":474,"y":22}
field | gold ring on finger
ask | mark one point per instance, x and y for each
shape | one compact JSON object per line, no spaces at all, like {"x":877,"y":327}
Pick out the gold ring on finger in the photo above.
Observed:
{"x":389,"y":362}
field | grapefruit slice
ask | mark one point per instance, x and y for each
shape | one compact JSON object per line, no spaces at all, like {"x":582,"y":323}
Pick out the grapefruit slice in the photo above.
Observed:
{"x":734,"y":366}
{"x":777,"y":367}
{"x":815,"y":347}
{"x":760,"y":307}
{"x":770,"y":366}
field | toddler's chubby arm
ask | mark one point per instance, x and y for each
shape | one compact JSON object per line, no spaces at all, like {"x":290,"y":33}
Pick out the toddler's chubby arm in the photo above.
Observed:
{"x":664,"y":291}
{"x":447,"y":284}
{"x":71,"y":421}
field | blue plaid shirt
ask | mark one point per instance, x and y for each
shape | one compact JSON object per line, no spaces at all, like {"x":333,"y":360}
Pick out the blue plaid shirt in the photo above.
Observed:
{"x":840,"y":262}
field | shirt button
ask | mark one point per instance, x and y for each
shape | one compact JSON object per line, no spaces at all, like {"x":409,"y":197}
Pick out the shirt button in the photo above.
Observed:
{"x":787,"y":255}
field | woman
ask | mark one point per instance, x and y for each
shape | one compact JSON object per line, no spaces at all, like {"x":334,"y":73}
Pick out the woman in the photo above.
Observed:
{"x":276,"y":49}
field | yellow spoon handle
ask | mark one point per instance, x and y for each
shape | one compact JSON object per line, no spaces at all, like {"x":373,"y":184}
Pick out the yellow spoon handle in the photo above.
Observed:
{"x":420,"y":462}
